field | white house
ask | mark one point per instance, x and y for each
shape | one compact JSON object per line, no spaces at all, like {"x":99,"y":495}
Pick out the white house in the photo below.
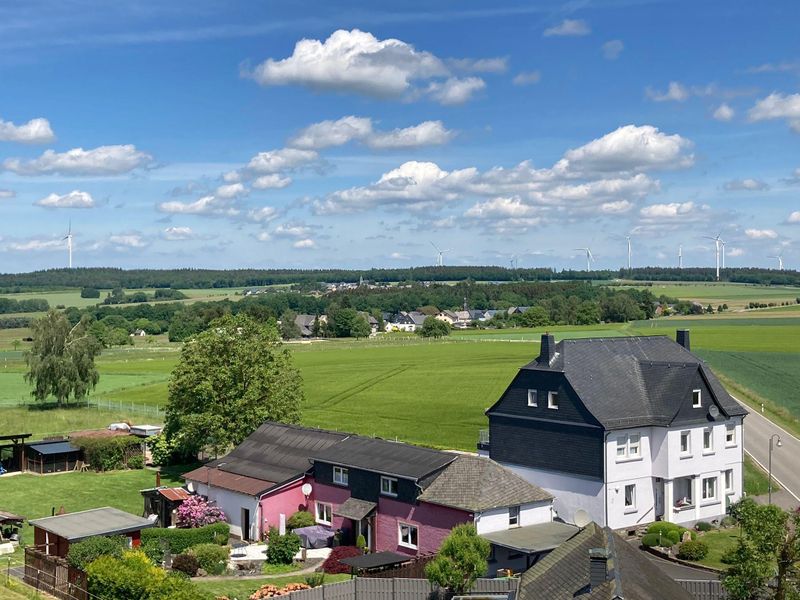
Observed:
{"x":626,"y":430}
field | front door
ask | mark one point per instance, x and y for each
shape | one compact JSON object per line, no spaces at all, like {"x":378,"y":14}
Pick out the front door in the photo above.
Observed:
{"x":246,"y":524}
{"x":364,"y":527}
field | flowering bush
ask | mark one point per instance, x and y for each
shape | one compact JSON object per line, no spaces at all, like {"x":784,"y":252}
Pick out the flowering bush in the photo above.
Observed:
{"x":196,"y":512}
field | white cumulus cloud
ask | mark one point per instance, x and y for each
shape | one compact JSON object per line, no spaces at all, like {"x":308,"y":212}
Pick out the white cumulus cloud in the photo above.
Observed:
{"x":231,"y":190}
{"x":761,"y":234}
{"x":209,"y":206}
{"x":127,"y":240}
{"x":74,"y":199}
{"x":341,"y":131}
{"x":794,"y":217}
{"x":263,"y":214}
{"x":778,"y":106}
{"x":612,"y":49}
{"x":278,"y":161}
{"x":103,"y":160}
{"x":676,"y":92}
{"x":292,"y":230}
{"x":357,"y":62}
{"x":724,"y":112}
{"x":746,"y":185}
{"x":5,"y":194}
{"x":37,"y":245}
{"x":306,"y":244}
{"x":35,"y":131}
{"x":271,"y":182}
{"x":569,"y":27}
{"x":455,"y":90}
{"x":176,"y":234}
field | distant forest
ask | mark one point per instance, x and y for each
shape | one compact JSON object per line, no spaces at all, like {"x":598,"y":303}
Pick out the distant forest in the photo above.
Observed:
{"x":108,"y":278}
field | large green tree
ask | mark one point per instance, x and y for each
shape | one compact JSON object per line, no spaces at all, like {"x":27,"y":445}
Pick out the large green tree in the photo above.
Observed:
{"x":61,"y":359}
{"x":228,"y":381}
{"x":435,"y":328}
{"x":764,"y":564}
{"x":462,"y":558}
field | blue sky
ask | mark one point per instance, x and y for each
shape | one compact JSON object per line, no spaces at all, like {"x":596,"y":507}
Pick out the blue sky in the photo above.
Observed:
{"x":317,"y":134}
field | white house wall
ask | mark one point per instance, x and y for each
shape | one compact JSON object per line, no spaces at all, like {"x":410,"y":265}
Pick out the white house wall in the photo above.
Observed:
{"x":571,"y":493}
{"x":497,"y":519}
{"x":232,"y":504}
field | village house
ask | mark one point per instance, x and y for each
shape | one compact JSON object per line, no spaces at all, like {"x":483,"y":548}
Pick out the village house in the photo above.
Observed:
{"x":627,"y":430}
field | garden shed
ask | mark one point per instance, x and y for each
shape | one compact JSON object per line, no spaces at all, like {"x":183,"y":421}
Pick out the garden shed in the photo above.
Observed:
{"x":12,"y":452}
{"x":163,"y":502}
{"x":51,"y":456}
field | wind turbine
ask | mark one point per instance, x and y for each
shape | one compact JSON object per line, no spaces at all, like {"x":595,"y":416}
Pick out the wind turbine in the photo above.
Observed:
{"x":514,"y":261}
{"x":717,"y":242}
{"x":589,"y":257}
{"x":440,"y":255}
{"x":680,"y":256}
{"x":780,"y":260}
{"x":68,"y":237}
{"x":722,"y":243}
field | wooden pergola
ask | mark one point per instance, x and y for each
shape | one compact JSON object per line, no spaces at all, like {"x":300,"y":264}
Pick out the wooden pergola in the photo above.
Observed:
{"x":16,"y":460}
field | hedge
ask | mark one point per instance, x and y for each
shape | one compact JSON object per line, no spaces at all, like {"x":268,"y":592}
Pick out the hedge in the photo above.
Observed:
{"x":670,"y":531}
{"x":111,"y":453}
{"x":90,"y":549}
{"x":693,"y":550}
{"x":213,"y":558}
{"x":180,"y":540}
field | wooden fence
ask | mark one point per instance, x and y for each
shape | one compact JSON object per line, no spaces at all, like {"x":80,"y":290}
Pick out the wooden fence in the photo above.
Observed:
{"x":54,"y":576}
{"x":362,"y":588}
{"x":411,"y":570}
{"x":704,"y":590}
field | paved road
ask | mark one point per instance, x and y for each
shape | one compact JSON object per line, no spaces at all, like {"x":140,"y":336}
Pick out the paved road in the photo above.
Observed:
{"x":678,"y":571}
{"x":785,"y":467}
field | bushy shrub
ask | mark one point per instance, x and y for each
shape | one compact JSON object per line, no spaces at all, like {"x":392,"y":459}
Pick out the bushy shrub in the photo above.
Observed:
{"x":361,"y":542}
{"x":315,"y":579}
{"x":195,"y":511}
{"x":693,"y":550}
{"x":300,"y":519}
{"x":332,"y":566}
{"x":90,"y":549}
{"x":651,"y":540}
{"x":727,"y":521}
{"x":153,"y":550}
{"x":186,"y":563}
{"x":110,"y":453}
{"x":670,"y":531}
{"x":281,"y":549}
{"x":729,"y":556}
{"x":180,"y":540}
{"x":703,"y":526}
{"x":213,"y":558}
{"x":136,"y":462}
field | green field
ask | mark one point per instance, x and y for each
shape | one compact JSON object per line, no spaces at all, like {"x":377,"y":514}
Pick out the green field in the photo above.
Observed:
{"x":735,"y":295}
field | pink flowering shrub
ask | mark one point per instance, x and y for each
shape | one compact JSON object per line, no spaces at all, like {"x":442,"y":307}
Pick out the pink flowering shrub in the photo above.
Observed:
{"x":196,"y":512}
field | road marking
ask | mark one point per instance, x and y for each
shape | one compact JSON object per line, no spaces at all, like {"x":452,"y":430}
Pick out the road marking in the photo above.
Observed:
{"x":780,"y":483}
{"x":770,"y":421}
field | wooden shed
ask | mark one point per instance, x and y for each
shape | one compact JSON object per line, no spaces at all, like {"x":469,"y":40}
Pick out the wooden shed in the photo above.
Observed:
{"x":53,"y":456}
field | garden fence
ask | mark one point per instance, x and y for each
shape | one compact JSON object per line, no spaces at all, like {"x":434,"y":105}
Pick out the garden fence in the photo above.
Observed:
{"x":54,"y":576}
{"x":97,"y":404}
{"x":363,"y":588}
{"x":704,"y":590}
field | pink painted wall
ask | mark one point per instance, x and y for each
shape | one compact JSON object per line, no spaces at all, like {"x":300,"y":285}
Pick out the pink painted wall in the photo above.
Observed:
{"x":330,"y":494}
{"x":287,"y":500}
{"x":433,"y":522}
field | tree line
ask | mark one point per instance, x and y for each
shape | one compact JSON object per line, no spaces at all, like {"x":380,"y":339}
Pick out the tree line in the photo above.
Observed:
{"x":109,"y":278}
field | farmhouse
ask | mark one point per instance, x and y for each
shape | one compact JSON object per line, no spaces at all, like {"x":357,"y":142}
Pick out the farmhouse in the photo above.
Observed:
{"x":260,"y":482}
{"x":53,"y":535}
{"x":628,"y":430}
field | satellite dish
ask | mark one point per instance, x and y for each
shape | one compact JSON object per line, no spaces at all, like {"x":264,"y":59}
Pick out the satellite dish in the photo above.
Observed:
{"x":713,"y":411}
{"x":306,"y":489}
{"x":582,"y":518}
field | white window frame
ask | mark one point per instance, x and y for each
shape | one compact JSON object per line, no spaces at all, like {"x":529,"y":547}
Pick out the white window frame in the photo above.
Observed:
{"x":550,"y":403}
{"x":389,"y":480}
{"x":628,"y":443}
{"x":697,"y":398}
{"x":533,"y":398}
{"x":728,"y":474}
{"x":327,"y":511}
{"x":704,"y":496}
{"x":688,"y":436}
{"x":513,"y":516}
{"x":730,"y":436}
{"x":341,"y":475}
{"x":629,"y":508}
{"x":710,"y":448}
{"x":408,"y":544}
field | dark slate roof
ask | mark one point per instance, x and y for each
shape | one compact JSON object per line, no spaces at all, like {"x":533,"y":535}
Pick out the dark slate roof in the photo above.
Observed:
{"x":97,"y":521}
{"x":633,"y":381}
{"x":373,"y":560}
{"x":475,"y":484}
{"x":564,"y":573}
{"x":355,"y":509}
{"x":383,"y":456}
{"x":276,"y":452}
{"x":48,"y":448}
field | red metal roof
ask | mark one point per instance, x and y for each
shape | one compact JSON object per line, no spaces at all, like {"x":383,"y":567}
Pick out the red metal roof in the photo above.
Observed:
{"x":228,"y":481}
{"x":174,"y":494}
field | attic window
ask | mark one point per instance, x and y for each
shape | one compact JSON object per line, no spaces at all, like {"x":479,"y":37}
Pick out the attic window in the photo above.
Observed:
{"x":533,"y":399}
{"x":552,"y":400}
{"x":697,"y":401}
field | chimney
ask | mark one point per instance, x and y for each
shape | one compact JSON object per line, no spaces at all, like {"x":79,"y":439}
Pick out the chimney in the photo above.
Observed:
{"x":598,"y":567}
{"x":682,"y":337}
{"x":547,"y":348}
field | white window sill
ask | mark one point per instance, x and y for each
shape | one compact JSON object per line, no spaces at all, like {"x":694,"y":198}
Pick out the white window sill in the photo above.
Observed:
{"x":709,"y":502}
{"x":682,"y":508}
{"x":630,"y":510}
{"x":708,"y":452}
{"x":730,"y":445}
{"x":684,"y":456}
{"x":328,"y":523}
{"x":409,"y":546}
{"x":630,"y":459}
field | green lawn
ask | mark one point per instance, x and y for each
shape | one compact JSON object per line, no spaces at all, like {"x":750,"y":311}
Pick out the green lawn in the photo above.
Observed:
{"x":35,"y":496}
{"x":242,"y":588}
{"x":719,"y":542}
{"x":736,"y":295}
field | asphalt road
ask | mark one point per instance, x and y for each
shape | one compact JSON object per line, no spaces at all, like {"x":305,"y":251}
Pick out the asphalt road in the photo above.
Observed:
{"x":678,"y":571}
{"x":785,"y":460}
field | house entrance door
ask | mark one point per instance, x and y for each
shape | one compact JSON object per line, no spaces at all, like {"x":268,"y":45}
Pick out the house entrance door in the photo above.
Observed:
{"x":364,"y":528}
{"x":246,"y":524}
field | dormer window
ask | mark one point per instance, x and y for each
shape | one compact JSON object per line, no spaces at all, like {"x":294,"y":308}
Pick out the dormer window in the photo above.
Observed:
{"x":340,"y":476}
{"x":533,"y":398}
{"x":552,"y":400}
{"x":697,"y":400}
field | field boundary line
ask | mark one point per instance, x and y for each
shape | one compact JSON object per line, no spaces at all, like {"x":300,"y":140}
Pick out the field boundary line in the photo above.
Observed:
{"x":780,"y":483}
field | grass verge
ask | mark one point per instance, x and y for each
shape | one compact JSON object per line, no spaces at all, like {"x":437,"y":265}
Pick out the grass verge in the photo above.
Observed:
{"x":756,"y":481}
{"x":242,"y":588}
